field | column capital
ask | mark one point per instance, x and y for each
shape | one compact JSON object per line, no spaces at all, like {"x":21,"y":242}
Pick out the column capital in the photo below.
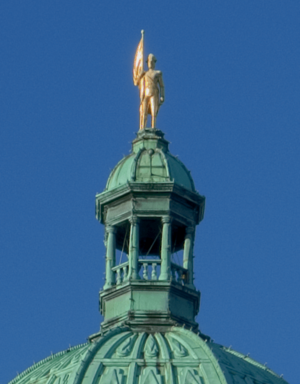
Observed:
{"x":134,"y":220}
{"x":166,"y":219}
{"x":111,"y":229}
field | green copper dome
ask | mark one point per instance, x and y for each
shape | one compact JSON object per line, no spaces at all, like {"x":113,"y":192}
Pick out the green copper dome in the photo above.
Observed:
{"x":122,"y":356}
{"x":150,"y":162}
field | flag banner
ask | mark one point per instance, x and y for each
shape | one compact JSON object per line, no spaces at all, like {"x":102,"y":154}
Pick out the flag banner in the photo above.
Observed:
{"x":138,"y":66}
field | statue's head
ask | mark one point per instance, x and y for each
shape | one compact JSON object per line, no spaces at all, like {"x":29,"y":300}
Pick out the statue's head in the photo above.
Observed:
{"x":151,"y":60}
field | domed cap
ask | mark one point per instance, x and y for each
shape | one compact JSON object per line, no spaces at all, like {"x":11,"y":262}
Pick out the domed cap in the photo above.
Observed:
{"x":123,"y":356}
{"x":150,"y":162}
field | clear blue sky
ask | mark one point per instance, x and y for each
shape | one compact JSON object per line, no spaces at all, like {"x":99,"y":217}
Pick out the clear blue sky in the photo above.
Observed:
{"x":68,"y":111}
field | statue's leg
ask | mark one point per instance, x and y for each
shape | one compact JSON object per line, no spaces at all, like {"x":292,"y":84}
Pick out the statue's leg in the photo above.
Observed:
{"x":154,"y":110}
{"x":141,"y":116}
{"x":145,"y":112}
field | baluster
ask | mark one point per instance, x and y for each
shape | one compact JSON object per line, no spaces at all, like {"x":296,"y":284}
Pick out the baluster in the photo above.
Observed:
{"x":179,"y":274}
{"x":119,"y":278}
{"x":173,"y":270}
{"x":145,"y":271}
{"x":153,"y":273}
{"x":124,"y":273}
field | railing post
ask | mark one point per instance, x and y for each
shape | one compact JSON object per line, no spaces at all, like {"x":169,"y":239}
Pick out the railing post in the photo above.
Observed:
{"x":110,"y":256}
{"x":153,"y":273}
{"x":134,"y":249}
{"x":188,"y":252}
{"x":166,"y":249}
{"x":125,"y":273}
{"x":119,"y":277}
{"x":145,"y":271}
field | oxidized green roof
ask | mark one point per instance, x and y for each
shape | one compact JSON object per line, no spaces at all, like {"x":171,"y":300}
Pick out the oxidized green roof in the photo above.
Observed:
{"x":150,"y":162}
{"x":124,"y":357}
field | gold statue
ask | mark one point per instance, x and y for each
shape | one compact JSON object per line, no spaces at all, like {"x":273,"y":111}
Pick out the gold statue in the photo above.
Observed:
{"x":150,"y":83}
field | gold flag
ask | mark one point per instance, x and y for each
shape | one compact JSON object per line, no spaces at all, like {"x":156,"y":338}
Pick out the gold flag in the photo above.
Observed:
{"x":138,"y":64}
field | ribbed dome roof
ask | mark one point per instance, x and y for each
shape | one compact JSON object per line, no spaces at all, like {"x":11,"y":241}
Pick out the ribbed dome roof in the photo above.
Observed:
{"x":122,"y":356}
{"x":150,"y":162}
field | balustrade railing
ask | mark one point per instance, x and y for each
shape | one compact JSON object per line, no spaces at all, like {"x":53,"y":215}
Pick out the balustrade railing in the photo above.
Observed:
{"x":147,"y":273}
{"x":121,"y":272}
{"x":149,"y":269}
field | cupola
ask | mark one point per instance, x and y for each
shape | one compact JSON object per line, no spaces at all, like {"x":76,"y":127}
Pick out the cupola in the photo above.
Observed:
{"x":150,"y":210}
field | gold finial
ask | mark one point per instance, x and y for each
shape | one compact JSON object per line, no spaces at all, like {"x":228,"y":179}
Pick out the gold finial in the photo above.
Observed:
{"x":150,"y":83}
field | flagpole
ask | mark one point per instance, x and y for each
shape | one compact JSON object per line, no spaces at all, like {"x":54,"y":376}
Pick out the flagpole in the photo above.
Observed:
{"x":143,"y":32}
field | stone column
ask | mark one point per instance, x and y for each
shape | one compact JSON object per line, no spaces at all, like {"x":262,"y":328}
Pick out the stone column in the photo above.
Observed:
{"x":188,"y":254}
{"x":165,"y":270}
{"x":110,"y":256}
{"x":134,"y":248}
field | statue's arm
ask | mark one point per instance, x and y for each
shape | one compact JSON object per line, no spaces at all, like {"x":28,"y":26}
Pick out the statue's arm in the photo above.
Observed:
{"x":142,"y":74}
{"x":162,"y":88}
